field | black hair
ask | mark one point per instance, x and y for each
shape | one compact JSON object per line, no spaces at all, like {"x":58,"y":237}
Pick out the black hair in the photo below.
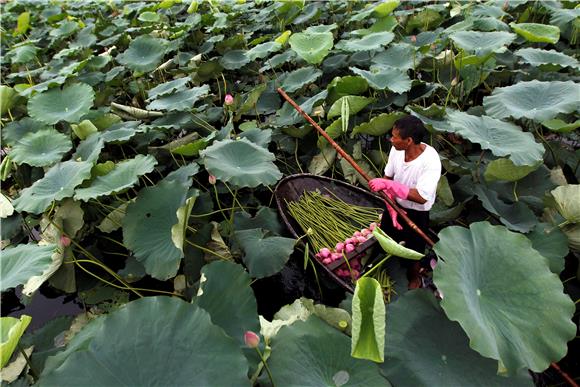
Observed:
{"x":411,"y":126}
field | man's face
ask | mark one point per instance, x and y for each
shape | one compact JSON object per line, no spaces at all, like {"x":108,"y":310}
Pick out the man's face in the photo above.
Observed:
{"x":398,"y":142}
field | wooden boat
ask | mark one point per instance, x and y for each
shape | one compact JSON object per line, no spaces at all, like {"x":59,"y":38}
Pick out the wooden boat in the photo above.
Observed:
{"x":291,"y":189}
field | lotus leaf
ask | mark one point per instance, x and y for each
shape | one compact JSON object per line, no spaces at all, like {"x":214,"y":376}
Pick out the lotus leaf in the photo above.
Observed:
{"x":538,"y":57}
{"x":482,"y":43}
{"x":235,"y":59}
{"x":385,"y":77}
{"x":300,"y":78}
{"x":147,"y":227}
{"x":504,"y":169}
{"x":227,"y":296}
{"x":552,"y":243}
{"x":502,"y":138}
{"x":22,"y":262}
{"x":378,"y":125}
{"x":266,"y":218}
{"x":311,"y":46}
{"x":278,"y":60}
{"x":58,"y":183}
{"x":6,"y":208}
{"x":168,"y":87}
{"x":121,"y":132}
{"x":264,"y":255}
{"x":535,"y":100}
{"x":289,"y":116}
{"x":368,"y":321}
{"x":11,"y":330}
{"x":261,"y":137}
{"x":355,"y":105}
{"x":89,"y":149}
{"x":517,"y":216}
{"x":124,"y":175}
{"x":557,"y":125}
{"x":370,"y":42}
{"x":145,"y":53}
{"x":16,"y":130}
{"x":322,"y":161}
{"x":440,"y":355}
{"x":114,"y":355}
{"x":534,"y":32}
{"x":348,"y":85}
{"x":241,"y":163}
{"x":22,"y":54}
{"x":114,"y":220}
{"x":568,"y":202}
{"x":8,"y":98}
{"x":263,"y":50}
{"x":480,"y":297}
{"x":67,"y":104}
{"x":181,"y":100}
{"x":400,"y":56}
{"x":84,"y":129}
{"x":41,"y":148}
{"x":312,"y":353}
{"x":149,"y":17}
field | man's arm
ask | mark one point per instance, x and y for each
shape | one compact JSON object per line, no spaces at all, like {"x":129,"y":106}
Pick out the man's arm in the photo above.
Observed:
{"x":415,"y":196}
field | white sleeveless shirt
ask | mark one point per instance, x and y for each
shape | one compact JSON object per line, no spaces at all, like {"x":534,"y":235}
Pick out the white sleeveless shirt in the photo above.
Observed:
{"x":423,"y":174}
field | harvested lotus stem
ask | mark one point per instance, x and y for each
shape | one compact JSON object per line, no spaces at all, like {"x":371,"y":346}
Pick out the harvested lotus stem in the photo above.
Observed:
{"x":331,"y":219}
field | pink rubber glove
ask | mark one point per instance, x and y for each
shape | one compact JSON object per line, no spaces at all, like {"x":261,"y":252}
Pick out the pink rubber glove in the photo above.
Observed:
{"x":393,"y":214}
{"x":390,"y":186}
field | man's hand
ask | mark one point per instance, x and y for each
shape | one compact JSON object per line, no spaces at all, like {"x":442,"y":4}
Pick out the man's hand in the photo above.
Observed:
{"x":390,"y":187}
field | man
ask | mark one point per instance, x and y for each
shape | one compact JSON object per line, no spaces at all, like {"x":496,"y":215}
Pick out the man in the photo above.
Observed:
{"x":411,"y":176}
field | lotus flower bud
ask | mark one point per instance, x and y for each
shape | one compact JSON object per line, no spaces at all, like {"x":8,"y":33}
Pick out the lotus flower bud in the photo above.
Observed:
{"x":365,"y":231}
{"x":372,"y":226}
{"x":361,"y":239}
{"x":228,"y":100}
{"x":433,"y":263}
{"x":64,"y":241}
{"x":357,"y":234}
{"x":339,"y":247}
{"x":324,"y":252}
{"x":251,"y":339}
{"x":349,"y":247}
{"x":336,"y":256}
{"x":350,"y":241}
{"x":327,"y":261}
{"x":211,"y":179}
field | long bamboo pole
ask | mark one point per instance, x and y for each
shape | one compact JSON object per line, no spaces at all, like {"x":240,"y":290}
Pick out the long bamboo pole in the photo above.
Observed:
{"x":347,"y":157}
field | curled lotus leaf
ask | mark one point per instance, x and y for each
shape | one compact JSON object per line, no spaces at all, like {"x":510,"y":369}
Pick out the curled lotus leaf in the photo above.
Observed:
{"x":300,"y":78}
{"x":118,"y":350}
{"x":58,"y":183}
{"x":500,"y":137}
{"x":241,"y":163}
{"x":537,"y":33}
{"x":538,"y":57}
{"x":11,"y":329}
{"x":145,"y":53}
{"x":480,"y":297}
{"x":23,"y":262}
{"x":568,"y":201}
{"x":370,"y":42}
{"x":67,"y":104}
{"x":536,"y":100}
{"x":482,"y":43}
{"x":42,"y":148}
{"x":123,"y":175}
{"x":311,"y":46}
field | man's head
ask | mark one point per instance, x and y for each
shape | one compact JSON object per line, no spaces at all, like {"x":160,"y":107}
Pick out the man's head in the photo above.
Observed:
{"x":406,"y":131}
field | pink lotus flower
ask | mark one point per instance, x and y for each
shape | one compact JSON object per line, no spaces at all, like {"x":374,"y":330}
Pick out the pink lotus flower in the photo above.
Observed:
{"x":339,"y":247}
{"x":64,"y":241}
{"x":336,"y":256}
{"x":228,"y":100}
{"x":348,"y":248}
{"x":211,"y":179}
{"x":251,"y":339}
{"x":324,"y":252}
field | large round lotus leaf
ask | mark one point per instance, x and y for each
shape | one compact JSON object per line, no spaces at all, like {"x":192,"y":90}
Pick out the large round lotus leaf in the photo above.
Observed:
{"x":482,"y":43}
{"x":264,"y":255}
{"x":153,"y":341}
{"x":22,"y":54}
{"x":373,"y":41}
{"x":348,"y":85}
{"x":147,"y":228}
{"x":504,"y":296}
{"x":355,"y":105}
{"x":124,"y":175}
{"x":385,"y":77}
{"x":58,"y":183}
{"x":181,"y":100}
{"x":263,"y":50}
{"x":437,"y":354}
{"x":401,"y":56}
{"x":241,"y":163}
{"x":22,"y":262}
{"x":535,"y":100}
{"x":234,"y":59}
{"x":145,"y":53}
{"x":168,"y":87}
{"x":41,"y":148}
{"x":504,"y":169}
{"x":312,"y":47}
{"x":11,"y":329}
{"x":16,"y":130}
{"x":500,"y":137}
{"x":534,"y":32}
{"x":228,"y":298}
{"x":67,"y":104}
{"x":538,"y":57}
{"x":299,"y":78}
{"x":378,"y":125}
{"x":312,"y":353}
{"x":552,"y":243}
